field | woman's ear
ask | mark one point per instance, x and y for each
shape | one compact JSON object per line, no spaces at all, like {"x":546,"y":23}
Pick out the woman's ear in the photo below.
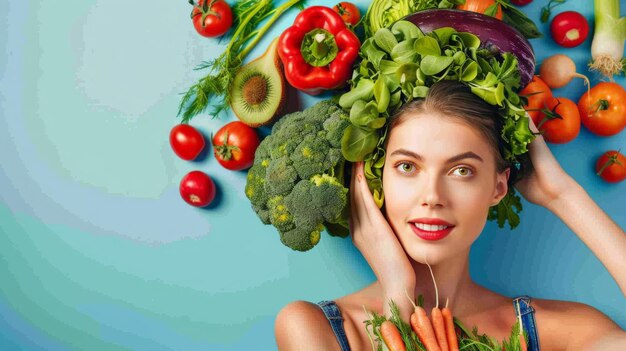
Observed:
{"x":502,"y":186}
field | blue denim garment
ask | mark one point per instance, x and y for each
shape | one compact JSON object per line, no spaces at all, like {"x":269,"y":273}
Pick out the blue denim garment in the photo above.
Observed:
{"x":336,"y":322}
{"x":522,"y":304}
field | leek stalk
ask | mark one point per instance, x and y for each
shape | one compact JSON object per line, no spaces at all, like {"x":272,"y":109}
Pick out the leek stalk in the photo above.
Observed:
{"x":607,"y":46}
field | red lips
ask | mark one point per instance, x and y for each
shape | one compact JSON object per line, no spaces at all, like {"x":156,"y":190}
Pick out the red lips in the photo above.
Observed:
{"x":431,"y":235}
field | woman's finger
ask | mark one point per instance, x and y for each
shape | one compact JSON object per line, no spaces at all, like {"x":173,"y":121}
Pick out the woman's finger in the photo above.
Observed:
{"x":354,"y":215}
{"x":366,"y":195}
{"x":538,"y":149}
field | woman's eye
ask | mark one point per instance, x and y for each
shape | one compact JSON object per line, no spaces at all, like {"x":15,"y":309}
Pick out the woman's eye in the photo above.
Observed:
{"x":405,"y":167}
{"x":463,"y":171}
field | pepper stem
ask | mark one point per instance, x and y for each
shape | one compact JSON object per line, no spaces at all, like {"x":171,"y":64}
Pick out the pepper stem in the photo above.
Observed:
{"x":319,"y":47}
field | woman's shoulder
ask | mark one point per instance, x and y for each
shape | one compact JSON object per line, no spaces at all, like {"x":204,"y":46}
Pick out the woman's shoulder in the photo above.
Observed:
{"x":570,"y":325}
{"x":301,"y":324}
{"x":304,"y":323}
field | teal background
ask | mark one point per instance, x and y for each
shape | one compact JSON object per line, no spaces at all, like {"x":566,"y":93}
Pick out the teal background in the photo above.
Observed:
{"x":99,"y":252}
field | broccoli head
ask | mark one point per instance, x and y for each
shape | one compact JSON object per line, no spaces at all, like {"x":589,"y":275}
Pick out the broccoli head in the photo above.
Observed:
{"x":296,"y":182}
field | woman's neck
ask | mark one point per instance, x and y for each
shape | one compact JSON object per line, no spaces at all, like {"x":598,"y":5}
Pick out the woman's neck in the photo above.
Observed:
{"x":453,"y":283}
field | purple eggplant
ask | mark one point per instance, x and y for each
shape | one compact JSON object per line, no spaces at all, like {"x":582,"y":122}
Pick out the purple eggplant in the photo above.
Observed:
{"x":492,"y":33}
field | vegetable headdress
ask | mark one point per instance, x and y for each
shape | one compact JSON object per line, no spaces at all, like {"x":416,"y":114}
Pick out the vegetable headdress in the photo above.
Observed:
{"x":401,"y":62}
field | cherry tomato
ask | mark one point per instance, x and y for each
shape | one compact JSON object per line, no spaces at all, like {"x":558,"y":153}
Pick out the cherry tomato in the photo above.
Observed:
{"x":349,"y":12}
{"x":481,"y":6}
{"x":212,"y":18}
{"x":538,"y":94}
{"x":186,"y":141}
{"x":611,"y":166}
{"x":197,"y":189}
{"x":234,"y":145}
{"x":560,"y":122}
{"x":521,"y":2}
{"x":603,"y":109}
{"x":569,"y":29}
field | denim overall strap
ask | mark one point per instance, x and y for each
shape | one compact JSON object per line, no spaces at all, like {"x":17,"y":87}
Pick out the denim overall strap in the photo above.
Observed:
{"x":523,"y":308}
{"x":336,"y":322}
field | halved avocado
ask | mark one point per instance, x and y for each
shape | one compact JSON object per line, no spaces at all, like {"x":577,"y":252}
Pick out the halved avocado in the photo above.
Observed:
{"x":258,"y":90}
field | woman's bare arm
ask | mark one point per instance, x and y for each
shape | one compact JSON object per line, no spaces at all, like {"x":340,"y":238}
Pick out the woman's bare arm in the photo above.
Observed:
{"x":551,"y":187}
{"x":595,"y":228}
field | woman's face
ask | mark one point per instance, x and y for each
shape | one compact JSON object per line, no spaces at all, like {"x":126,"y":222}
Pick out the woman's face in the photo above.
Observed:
{"x":439,"y":169}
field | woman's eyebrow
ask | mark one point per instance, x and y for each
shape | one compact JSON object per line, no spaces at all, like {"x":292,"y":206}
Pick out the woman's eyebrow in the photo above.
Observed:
{"x":452,"y":159}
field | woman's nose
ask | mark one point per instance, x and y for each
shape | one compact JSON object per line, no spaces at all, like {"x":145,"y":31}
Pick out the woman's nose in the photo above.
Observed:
{"x":433,"y":194}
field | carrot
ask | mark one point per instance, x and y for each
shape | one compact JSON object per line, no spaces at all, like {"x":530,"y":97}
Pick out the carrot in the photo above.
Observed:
{"x":439,"y":328}
{"x":424,"y":330}
{"x":391,"y":336}
{"x":453,"y":343}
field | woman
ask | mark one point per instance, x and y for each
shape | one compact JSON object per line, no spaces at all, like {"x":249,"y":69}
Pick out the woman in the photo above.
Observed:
{"x":443,"y":171}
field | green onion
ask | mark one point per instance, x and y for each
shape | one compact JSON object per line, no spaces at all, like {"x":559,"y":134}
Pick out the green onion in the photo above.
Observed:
{"x":607,"y":47}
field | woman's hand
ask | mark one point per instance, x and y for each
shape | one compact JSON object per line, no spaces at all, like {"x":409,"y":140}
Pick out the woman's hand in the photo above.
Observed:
{"x":548,"y":181}
{"x":374,"y":237}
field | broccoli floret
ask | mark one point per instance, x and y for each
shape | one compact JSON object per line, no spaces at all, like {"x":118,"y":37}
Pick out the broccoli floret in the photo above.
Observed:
{"x":334,"y":126}
{"x":310,"y":157}
{"x":255,"y":186}
{"x":296,"y":180}
{"x":262,"y":155}
{"x":329,"y":197}
{"x":300,"y":203}
{"x":301,"y":239}
{"x":281,"y":176}
{"x":318,"y":200}
{"x":280,"y":217}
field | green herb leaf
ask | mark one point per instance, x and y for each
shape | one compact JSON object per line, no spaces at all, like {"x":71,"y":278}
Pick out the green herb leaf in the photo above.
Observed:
{"x":372,"y":52}
{"x":432,"y":65}
{"x":381,"y":94}
{"x":404,"y":30}
{"x":427,"y":46}
{"x":357,"y":142}
{"x":385,"y":40}
{"x":420,"y":91}
{"x":469,"y":40}
{"x":404,"y":52}
{"x":362,"y":91}
{"x":469,"y":71}
{"x":507,"y":210}
{"x":444,"y":34}
{"x":365,"y":114}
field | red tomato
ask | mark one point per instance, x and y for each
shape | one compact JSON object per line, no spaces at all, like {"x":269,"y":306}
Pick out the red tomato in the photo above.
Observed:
{"x":212,"y":19}
{"x":560,"y":122}
{"x":186,"y":141}
{"x":569,"y":29}
{"x":197,"y":189}
{"x":603,"y":109}
{"x":611,"y":166}
{"x":480,"y":6}
{"x":234,"y":145}
{"x":521,"y":2}
{"x":349,"y":12}
{"x":538,"y":94}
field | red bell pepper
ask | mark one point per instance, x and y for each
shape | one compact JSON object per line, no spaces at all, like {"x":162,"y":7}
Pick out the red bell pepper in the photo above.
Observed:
{"x":318,"y":50}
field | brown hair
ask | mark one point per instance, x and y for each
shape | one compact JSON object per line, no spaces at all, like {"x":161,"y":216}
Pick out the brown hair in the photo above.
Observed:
{"x":456,"y":100}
